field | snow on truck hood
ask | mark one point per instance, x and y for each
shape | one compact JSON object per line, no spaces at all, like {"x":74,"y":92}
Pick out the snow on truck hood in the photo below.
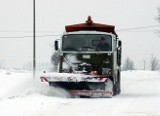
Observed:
{"x":88,"y":32}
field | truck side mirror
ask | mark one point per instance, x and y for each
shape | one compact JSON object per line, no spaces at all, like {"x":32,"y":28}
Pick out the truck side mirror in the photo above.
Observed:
{"x":119,"y":43}
{"x":56,"y":45}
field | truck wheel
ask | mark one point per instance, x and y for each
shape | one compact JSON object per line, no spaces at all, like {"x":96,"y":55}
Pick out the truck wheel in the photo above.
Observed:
{"x":119,"y":84}
{"x":114,"y":90}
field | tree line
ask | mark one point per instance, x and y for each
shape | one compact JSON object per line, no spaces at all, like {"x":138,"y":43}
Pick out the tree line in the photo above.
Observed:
{"x":152,"y":64}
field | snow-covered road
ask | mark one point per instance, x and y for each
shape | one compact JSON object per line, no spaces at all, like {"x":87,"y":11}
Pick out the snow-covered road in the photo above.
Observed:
{"x":20,"y":95}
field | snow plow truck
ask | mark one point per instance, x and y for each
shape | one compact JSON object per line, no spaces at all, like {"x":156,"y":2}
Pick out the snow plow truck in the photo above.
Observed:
{"x":89,"y":61}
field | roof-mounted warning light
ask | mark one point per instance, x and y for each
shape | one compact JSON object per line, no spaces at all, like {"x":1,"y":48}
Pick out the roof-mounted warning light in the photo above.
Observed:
{"x":89,"y":20}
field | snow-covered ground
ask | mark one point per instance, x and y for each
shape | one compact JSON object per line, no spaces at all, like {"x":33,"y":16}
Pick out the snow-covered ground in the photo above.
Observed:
{"x":21,"y":95}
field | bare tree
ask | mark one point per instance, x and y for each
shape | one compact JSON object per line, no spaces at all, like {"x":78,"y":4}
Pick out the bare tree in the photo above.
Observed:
{"x":2,"y":64}
{"x":55,"y":59}
{"x":154,"y":63}
{"x":27,"y":66}
{"x":128,"y":64}
{"x":158,"y":20}
{"x":144,"y":64}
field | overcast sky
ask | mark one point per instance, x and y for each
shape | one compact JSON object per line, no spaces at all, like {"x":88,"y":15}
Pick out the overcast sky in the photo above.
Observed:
{"x":16,"y":20}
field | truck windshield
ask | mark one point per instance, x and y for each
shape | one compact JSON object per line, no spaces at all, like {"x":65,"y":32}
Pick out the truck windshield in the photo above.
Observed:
{"x":87,"y":42}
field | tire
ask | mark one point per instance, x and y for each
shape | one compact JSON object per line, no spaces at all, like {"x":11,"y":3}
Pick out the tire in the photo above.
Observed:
{"x":114,"y":90}
{"x":117,"y":87}
{"x":119,"y":84}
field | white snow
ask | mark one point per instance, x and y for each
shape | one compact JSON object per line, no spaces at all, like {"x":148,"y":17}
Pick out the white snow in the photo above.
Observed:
{"x":21,"y":95}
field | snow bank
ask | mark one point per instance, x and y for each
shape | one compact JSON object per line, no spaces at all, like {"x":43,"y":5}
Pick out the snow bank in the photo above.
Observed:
{"x":20,"y":95}
{"x":141,"y":83}
{"x":22,"y":83}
